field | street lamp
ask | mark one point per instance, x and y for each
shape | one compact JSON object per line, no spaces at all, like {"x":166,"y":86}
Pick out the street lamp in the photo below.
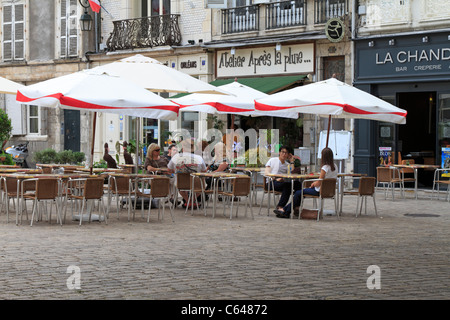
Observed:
{"x":85,"y":19}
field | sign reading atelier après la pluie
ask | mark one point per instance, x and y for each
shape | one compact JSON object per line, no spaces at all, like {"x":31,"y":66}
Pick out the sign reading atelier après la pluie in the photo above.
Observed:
{"x":290,"y":59}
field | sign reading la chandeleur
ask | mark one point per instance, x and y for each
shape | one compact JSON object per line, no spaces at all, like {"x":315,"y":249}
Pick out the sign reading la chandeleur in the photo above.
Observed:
{"x":298,"y":58}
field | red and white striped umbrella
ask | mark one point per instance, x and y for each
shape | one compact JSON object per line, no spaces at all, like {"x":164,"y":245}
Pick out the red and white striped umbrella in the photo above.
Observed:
{"x":332,"y":98}
{"x":96,"y":91}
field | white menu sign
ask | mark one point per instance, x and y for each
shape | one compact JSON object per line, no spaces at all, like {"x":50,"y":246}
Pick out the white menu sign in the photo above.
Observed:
{"x":291,"y":59}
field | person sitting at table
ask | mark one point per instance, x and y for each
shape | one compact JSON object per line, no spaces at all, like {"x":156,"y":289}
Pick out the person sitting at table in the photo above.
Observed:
{"x":219,"y":162}
{"x":328,"y":170}
{"x":111,"y":163}
{"x":186,"y":161}
{"x":171,"y":151}
{"x":153,"y":161}
{"x":280,"y":165}
{"x":127,"y":156}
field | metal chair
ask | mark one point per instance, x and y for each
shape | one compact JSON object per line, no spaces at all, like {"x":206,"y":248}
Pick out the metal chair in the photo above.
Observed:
{"x":366,"y":189}
{"x":389,"y":176}
{"x":9,"y":191}
{"x":89,"y":189}
{"x":266,"y":189}
{"x":327,"y":191}
{"x":240,"y":187}
{"x":117,"y":187}
{"x":46,"y":189}
{"x":439,"y":179}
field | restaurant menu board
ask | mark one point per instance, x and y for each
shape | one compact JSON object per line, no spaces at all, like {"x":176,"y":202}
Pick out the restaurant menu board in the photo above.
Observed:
{"x":446,"y":161}
{"x":338,"y":141}
{"x":385,"y":155}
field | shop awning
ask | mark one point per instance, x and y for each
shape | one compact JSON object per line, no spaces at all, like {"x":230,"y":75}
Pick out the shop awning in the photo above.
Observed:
{"x":267,"y":85}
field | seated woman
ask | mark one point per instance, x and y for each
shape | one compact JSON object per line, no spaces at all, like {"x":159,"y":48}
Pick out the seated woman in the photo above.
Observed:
{"x":328,"y":170}
{"x":155,"y":164}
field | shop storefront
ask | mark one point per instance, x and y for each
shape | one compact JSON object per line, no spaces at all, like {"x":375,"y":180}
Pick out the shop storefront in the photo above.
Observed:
{"x":413,"y":73}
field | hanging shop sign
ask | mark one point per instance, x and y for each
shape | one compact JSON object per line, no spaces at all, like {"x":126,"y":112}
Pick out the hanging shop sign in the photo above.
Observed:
{"x":335,"y":30}
{"x":289,"y":59}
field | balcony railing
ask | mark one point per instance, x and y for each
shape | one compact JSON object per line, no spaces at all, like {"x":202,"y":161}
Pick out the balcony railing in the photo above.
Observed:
{"x":326,"y":9}
{"x":240,"y":19}
{"x":285,"y":14}
{"x":145,"y":32}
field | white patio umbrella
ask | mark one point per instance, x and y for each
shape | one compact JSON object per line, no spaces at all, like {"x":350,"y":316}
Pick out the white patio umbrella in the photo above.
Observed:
{"x":241,"y":101}
{"x":97,"y":91}
{"x":8,"y":86}
{"x":151,"y":74}
{"x":332,"y":98}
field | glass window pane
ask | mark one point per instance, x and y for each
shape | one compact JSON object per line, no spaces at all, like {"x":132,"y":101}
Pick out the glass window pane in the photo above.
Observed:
{"x":444,"y":120}
{"x":34,"y":125}
{"x":34,"y":111}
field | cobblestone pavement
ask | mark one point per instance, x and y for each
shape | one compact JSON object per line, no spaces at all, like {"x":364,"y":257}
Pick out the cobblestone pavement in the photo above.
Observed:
{"x":199,"y":257}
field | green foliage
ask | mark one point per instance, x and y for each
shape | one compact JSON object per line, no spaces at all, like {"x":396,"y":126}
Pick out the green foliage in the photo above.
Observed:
{"x":101,"y":164}
{"x":79,"y":157}
{"x":252,"y":158}
{"x":65,"y":157}
{"x":5,"y":127}
{"x":6,"y":158}
{"x":49,"y":155}
{"x":46,"y":156}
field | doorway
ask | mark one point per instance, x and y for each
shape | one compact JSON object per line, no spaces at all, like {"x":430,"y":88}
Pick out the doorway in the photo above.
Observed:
{"x":72,"y":130}
{"x":417,"y":138}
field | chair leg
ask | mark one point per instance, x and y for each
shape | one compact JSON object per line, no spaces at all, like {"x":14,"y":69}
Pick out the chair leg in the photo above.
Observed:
{"x":149,"y":209}
{"x":260,"y":204}
{"x":374,"y":204}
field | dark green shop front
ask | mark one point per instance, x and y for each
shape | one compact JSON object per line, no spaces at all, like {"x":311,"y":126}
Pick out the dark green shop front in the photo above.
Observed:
{"x":413,"y":73}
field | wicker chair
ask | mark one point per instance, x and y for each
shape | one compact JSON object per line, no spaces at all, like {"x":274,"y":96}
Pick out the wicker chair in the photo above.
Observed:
{"x":159,"y":189}
{"x":366,"y":189}
{"x":47,"y":189}
{"x":240,"y":187}
{"x":389,"y":176}
{"x":90,"y":189}
{"x":117,"y":187}
{"x":8,"y":189}
{"x":440,"y":179}
{"x":327,"y":191}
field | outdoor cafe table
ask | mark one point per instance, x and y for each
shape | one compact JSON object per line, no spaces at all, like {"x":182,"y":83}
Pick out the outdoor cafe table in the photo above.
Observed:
{"x":416,"y":167}
{"x":23,"y":176}
{"x":216,"y":176}
{"x":293,"y":177}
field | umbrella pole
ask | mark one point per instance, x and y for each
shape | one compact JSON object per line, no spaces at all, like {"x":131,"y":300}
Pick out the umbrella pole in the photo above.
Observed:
{"x":328,"y":132}
{"x":93,"y":141}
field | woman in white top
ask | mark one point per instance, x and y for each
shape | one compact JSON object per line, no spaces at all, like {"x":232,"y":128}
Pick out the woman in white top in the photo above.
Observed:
{"x":327,"y":171}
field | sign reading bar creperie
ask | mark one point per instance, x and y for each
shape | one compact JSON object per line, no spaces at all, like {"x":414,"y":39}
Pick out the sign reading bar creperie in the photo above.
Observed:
{"x":290,"y":59}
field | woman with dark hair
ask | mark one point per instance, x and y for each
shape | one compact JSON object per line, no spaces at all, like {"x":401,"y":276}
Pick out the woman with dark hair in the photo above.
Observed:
{"x":107,"y":157}
{"x":328,"y":170}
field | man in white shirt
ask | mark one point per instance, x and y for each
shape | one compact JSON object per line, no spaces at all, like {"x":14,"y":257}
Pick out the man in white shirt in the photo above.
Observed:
{"x":279,"y":165}
{"x":186,"y":161}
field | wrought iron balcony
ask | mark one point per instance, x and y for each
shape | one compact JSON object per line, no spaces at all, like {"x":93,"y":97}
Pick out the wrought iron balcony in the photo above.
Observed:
{"x":326,"y":9}
{"x":145,"y":32}
{"x":240,"y":19}
{"x":285,"y":14}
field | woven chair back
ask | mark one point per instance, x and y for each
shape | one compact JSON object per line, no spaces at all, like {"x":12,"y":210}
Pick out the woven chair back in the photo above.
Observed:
{"x":366,"y":186}
{"x":328,"y":188}
{"x":241,"y":186}
{"x":183,"y":180}
{"x":122,"y":184}
{"x":159,"y":187}
{"x":93,"y":188}
{"x":46,"y":188}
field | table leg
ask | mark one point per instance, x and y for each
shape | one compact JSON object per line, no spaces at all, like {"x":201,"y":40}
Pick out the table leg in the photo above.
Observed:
{"x":415,"y":182}
{"x":292,"y":199}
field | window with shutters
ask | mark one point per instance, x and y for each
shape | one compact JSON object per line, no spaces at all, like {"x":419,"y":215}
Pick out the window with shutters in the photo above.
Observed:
{"x":13,"y":26}
{"x":34,"y":120}
{"x":69,"y":29}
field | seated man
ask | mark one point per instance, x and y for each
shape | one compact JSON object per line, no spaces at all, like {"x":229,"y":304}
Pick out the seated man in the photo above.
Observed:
{"x":186,"y":161}
{"x":279,"y":165}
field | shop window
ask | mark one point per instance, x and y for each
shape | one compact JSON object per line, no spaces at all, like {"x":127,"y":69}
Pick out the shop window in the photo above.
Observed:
{"x":34,"y":120}
{"x":444,"y":120}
